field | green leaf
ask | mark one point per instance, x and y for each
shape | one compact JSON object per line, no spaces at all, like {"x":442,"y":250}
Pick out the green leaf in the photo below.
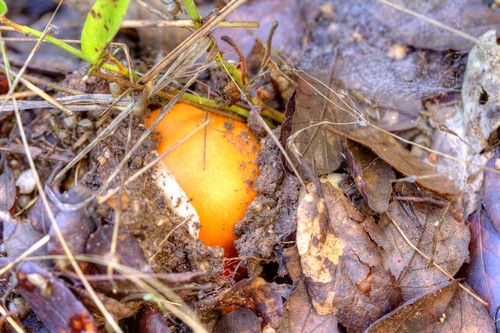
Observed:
{"x":101,"y":26}
{"x":3,"y":8}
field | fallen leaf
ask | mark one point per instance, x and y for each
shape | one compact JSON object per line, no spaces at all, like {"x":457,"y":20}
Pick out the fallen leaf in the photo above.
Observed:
{"x":343,"y":268}
{"x":118,"y":309}
{"x":491,"y":191}
{"x":466,"y":314}
{"x":483,"y":272}
{"x":480,"y":92}
{"x":434,"y":231}
{"x":390,"y":150}
{"x":307,"y":142}
{"x":128,"y":251}
{"x":254,"y":294}
{"x":300,"y":316}
{"x":417,"y":315}
{"x":39,"y":217}
{"x":52,"y":301}
{"x":474,"y":123}
{"x":18,"y":237}
{"x":373,"y":176}
{"x":75,"y":226}
{"x":446,"y":309}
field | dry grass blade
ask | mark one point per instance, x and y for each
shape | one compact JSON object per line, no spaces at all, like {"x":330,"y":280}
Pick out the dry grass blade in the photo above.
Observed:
{"x":151,"y":285}
{"x":45,"y":96}
{"x":11,"y":321}
{"x":83,"y":102}
{"x":183,"y":65}
{"x":197,"y":35}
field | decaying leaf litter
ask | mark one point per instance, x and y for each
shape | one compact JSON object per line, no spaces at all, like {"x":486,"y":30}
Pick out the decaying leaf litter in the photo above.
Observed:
{"x":359,"y":256}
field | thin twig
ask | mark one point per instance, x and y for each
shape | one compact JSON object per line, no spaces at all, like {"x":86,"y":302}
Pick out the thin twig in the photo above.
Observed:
{"x":430,"y":200}
{"x":11,"y":320}
{"x":269,"y":46}
{"x":243,"y":62}
{"x":35,"y":152}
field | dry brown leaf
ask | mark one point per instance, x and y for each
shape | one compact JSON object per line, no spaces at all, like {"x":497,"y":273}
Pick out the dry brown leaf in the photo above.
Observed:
{"x":466,"y":314}
{"x":254,"y":294}
{"x":390,"y":150}
{"x":483,"y":271}
{"x":343,"y":267}
{"x":435,"y":232}
{"x":300,"y":317}
{"x":52,"y":301}
{"x":446,"y":309}
{"x":473,"y":123}
{"x":373,"y":176}
{"x":304,"y":136}
{"x":491,"y":191}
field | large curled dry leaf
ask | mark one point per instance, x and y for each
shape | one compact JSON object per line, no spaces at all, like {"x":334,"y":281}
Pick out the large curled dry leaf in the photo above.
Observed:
{"x":254,"y":294}
{"x":372,"y":175}
{"x":304,"y":133}
{"x":343,"y":268}
{"x":474,"y":122}
{"x":435,"y":232}
{"x":446,"y":309}
{"x":483,"y":272}
{"x":300,"y":317}
{"x":390,"y":150}
{"x":491,"y":191}
{"x":52,"y":301}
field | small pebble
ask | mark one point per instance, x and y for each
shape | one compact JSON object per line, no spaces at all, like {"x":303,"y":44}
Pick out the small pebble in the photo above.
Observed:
{"x":64,"y":135}
{"x":19,"y":306}
{"x":23,"y":200}
{"x":115,"y":89}
{"x":70,"y":122}
{"x":26,"y":182}
{"x":85,"y":125}
{"x":328,"y":10}
{"x":397,"y":52}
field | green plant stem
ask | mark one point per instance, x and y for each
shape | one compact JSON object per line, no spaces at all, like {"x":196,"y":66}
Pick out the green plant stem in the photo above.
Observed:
{"x":213,"y":104}
{"x":54,"y":41}
{"x":195,"y":16}
{"x":193,"y":13}
{"x":236,"y":74}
